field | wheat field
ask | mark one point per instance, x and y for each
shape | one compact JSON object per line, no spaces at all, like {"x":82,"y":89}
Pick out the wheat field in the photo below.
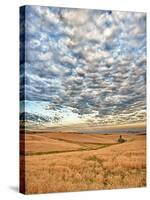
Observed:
{"x":58,"y":162}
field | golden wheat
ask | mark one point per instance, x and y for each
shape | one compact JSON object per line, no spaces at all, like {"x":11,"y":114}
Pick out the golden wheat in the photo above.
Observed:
{"x":113,"y":166}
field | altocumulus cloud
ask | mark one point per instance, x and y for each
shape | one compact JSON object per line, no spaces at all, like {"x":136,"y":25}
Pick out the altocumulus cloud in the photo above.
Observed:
{"x":91,"y":61}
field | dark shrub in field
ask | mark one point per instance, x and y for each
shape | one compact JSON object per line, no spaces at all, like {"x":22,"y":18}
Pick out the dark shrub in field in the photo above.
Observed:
{"x":121,"y":140}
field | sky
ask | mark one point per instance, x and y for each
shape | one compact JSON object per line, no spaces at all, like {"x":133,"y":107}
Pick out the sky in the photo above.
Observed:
{"x":82,"y":69}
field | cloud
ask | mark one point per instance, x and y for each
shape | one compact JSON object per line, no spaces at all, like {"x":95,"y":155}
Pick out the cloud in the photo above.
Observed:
{"x":89,"y":60}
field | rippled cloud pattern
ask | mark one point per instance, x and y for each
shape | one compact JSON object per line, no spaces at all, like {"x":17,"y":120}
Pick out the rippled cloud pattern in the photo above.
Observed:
{"x":91,"y":63}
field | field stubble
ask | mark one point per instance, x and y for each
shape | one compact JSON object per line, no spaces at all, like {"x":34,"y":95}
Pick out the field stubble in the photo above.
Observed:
{"x":113,"y":166}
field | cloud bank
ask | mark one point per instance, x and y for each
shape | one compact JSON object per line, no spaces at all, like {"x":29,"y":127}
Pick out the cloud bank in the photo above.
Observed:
{"x":90,"y":61}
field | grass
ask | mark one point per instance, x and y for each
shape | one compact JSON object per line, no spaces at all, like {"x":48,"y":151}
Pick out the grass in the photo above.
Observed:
{"x":95,"y":159}
{"x":55,"y":152}
{"x":99,"y":166}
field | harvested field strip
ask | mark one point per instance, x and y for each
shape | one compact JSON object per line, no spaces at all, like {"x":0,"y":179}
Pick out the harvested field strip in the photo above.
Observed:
{"x":67,"y":151}
{"x":82,"y":143}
